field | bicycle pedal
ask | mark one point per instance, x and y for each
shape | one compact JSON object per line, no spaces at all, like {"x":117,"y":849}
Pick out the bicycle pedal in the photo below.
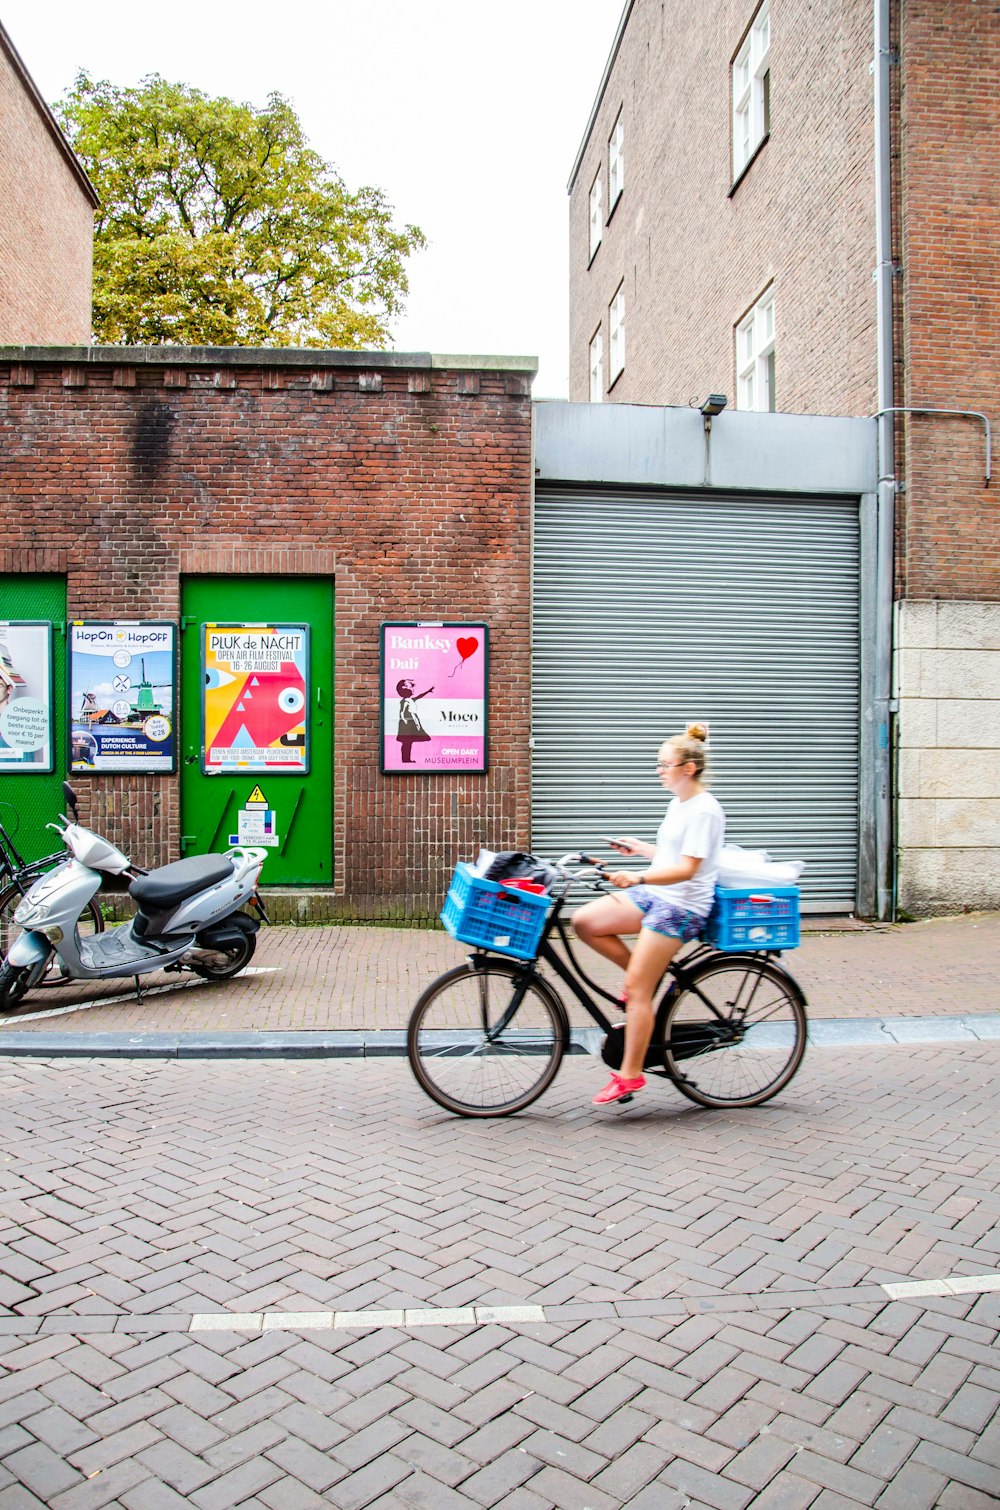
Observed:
{"x":623,"y":1099}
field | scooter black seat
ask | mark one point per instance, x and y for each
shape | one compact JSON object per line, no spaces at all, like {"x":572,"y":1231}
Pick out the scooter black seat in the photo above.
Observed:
{"x":170,"y":884}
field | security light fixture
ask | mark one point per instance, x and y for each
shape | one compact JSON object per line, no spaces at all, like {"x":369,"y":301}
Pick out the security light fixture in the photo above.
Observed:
{"x":713,"y":405}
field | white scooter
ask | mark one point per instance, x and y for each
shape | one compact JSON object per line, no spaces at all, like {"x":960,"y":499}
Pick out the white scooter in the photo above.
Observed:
{"x":188,"y":916}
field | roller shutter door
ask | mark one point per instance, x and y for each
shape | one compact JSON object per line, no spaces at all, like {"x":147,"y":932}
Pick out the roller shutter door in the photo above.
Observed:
{"x":653,"y":609}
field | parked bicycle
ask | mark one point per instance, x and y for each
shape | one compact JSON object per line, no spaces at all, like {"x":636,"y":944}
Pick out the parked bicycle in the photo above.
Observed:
{"x":17,"y":875}
{"x":486,"y":1039}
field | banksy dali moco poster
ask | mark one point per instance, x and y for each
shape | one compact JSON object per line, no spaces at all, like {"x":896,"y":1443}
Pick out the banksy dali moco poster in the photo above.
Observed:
{"x":122,"y":696}
{"x":26,"y":696}
{"x":434,"y":698}
{"x":256,"y":698}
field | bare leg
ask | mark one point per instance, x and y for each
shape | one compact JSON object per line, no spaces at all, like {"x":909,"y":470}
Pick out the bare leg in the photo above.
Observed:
{"x":599,"y":925}
{"x":650,"y":958}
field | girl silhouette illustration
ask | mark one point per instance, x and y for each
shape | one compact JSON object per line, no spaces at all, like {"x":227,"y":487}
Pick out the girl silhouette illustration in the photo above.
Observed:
{"x":410,"y":729}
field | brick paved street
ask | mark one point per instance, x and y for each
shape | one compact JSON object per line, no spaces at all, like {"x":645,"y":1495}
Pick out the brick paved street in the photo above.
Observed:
{"x":364,"y":978}
{"x":713,"y":1328}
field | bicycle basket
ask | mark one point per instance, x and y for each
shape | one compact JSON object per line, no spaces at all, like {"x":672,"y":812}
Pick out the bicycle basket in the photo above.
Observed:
{"x":484,"y":914}
{"x":746,"y":917}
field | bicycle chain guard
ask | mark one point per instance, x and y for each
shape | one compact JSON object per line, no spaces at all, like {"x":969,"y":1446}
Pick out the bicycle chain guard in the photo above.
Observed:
{"x":613,"y":1048}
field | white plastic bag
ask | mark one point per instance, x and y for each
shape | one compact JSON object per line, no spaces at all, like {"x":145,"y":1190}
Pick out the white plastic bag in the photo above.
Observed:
{"x":754,"y":867}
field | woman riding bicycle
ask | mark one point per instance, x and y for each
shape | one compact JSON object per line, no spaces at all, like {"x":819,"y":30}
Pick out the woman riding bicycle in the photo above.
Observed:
{"x":666,"y":905}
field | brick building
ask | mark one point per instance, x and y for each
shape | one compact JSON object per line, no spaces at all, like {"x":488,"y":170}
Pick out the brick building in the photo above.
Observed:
{"x":47,"y":205}
{"x":723,"y":218}
{"x":134,"y":479}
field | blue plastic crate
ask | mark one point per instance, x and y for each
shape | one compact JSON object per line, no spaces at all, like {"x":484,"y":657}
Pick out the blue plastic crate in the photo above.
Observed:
{"x":761,"y":917}
{"x":484,"y":914}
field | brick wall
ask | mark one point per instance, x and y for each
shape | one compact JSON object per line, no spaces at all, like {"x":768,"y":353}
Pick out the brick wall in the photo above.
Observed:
{"x":950,"y":253}
{"x":410,"y":485}
{"x":693,"y":256}
{"x":948,"y":624}
{"x":46,"y":220}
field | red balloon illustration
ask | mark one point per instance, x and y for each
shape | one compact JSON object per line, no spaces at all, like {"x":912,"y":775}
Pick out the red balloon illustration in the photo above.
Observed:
{"x":466,"y":646}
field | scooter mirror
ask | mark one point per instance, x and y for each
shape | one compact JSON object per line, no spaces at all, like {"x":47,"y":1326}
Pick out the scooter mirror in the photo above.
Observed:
{"x":70,"y":798}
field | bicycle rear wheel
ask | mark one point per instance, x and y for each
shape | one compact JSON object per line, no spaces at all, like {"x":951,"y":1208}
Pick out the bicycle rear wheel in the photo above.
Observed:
{"x":745,"y":1050}
{"x":465,"y":1053}
{"x":91,"y":921}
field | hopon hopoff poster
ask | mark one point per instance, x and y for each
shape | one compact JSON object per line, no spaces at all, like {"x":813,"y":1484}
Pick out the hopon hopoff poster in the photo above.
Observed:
{"x":256,"y":698}
{"x":122,"y":696}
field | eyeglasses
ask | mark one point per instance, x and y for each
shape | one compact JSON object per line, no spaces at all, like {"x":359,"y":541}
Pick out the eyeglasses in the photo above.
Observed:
{"x":670,"y":765}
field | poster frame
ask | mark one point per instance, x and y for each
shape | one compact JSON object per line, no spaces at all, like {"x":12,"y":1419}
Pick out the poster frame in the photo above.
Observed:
{"x":40,"y":768}
{"x":138,"y":768}
{"x":252,"y":770}
{"x":477,"y":626}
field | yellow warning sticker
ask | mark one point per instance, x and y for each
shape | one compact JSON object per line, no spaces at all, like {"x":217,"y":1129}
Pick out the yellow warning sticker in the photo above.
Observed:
{"x":257,"y":796}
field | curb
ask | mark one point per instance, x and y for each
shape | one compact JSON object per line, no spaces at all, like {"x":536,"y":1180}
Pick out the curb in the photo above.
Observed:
{"x":391,"y":1043}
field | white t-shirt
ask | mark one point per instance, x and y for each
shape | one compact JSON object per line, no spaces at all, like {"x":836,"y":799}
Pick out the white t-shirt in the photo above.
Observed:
{"x":696,"y":827}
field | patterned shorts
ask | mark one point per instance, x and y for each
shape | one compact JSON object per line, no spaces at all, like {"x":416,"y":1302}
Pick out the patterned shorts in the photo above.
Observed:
{"x":661,"y":916}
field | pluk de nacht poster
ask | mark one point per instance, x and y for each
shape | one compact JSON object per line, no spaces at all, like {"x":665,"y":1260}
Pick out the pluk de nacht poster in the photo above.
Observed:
{"x":123,"y":696}
{"x":256,"y":698}
{"x":434,"y":698}
{"x":26,"y":696}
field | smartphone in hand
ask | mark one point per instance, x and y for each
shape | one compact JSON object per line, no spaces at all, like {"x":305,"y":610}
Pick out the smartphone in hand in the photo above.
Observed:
{"x":616,"y":844}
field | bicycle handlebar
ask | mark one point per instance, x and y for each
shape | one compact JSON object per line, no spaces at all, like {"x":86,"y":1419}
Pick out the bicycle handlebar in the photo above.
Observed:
{"x":598,"y":883}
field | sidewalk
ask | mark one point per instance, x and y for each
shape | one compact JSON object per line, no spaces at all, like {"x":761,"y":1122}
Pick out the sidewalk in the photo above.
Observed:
{"x":335,"y":978}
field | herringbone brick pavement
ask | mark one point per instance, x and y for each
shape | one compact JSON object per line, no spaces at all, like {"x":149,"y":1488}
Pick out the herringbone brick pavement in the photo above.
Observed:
{"x":715,"y":1330}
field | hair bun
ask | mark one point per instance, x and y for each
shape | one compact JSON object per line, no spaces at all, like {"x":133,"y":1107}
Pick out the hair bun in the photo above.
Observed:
{"x":697,"y":731}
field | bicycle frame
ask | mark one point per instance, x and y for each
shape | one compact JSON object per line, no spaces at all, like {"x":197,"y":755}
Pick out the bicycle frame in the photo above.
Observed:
{"x":16,"y":870}
{"x":575,"y":978}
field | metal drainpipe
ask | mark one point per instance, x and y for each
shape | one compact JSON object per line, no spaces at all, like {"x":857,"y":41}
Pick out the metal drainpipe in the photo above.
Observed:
{"x":886,"y":505}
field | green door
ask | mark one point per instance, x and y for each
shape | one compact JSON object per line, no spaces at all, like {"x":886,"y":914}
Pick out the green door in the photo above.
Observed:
{"x":257,"y":722}
{"x":31,"y":798}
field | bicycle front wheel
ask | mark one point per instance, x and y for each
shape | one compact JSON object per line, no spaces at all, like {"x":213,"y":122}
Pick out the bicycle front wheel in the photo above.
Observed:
{"x":91,"y":921}
{"x":736,"y":1032}
{"x":478,"y":1054}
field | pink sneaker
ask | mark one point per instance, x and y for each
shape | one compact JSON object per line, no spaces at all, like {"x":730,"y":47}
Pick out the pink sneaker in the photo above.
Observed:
{"x":618,"y":1089}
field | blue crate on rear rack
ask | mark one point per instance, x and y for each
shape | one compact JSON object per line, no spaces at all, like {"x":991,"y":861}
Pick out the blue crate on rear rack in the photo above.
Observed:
{"x":484,"y":914}
{"x":762,"y":917}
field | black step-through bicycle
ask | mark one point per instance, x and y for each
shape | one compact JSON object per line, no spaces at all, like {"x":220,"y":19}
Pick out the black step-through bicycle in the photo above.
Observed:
{"x":486,"y":1039}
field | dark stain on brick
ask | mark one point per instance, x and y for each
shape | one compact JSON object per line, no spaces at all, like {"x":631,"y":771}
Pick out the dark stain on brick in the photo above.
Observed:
{"x":151,"y":442}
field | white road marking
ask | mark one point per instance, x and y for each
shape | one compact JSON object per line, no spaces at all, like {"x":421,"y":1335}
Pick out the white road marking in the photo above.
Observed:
{"x":308,"y":1321}
{"x":959,"y":1284}
{"x":113,"y":1001}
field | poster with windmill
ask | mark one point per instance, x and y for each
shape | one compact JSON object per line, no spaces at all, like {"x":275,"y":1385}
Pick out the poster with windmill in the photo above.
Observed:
{"x":122,"y":696}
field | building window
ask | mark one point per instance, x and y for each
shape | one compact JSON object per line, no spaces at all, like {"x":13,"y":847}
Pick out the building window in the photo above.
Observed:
{"x":597,"y":367}
{"x":755,"y":358}
{"x":616,"y":164}
{"x":616,"y":324}
{"x":596,"y":217}
{"x":752,"y":90}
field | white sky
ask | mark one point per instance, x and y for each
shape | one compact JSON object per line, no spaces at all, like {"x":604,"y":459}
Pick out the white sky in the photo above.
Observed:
{"x":468,"y":115}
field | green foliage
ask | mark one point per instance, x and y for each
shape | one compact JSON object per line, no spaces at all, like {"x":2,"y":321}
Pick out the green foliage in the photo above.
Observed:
{"x":219,"y":226}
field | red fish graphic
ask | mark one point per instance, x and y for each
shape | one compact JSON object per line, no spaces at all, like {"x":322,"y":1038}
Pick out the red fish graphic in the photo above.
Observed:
{"x":270,"y":706}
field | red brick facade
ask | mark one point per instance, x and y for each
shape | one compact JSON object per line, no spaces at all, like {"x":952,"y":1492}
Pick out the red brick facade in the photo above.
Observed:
{"x":408,"y":485}
{"x":46,"y":219}
{"x":949,"y":136}
{"x":694,"y":251}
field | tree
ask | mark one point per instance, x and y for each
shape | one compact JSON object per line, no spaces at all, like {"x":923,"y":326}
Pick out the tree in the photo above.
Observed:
{"x":219,"y":225}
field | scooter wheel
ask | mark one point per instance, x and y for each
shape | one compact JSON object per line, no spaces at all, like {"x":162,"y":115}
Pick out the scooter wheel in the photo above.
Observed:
{"x":14,"y":982}
{"x":222,"y":964}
